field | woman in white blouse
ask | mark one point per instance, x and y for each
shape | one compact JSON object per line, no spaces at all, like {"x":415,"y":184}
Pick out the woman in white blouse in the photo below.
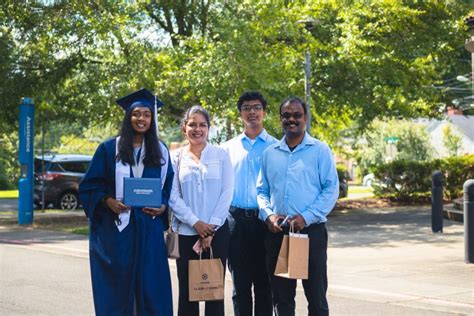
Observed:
{"x":201,"y":195}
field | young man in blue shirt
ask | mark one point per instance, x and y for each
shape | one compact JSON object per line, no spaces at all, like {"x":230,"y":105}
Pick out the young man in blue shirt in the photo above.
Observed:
{"x":247,"y":250}
{"x":298,"y":179}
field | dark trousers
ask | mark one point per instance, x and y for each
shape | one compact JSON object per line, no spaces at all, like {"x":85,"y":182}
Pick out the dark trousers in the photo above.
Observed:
{"x":315,"y":287}
{"x":247,"y":263}
{"x":220,"y":249}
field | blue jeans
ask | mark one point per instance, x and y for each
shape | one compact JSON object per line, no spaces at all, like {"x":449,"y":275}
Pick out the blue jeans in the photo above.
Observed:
{"x":247,"y":263}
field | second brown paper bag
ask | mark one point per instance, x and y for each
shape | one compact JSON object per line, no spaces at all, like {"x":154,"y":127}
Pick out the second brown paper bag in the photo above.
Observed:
{"x":293,"y":258}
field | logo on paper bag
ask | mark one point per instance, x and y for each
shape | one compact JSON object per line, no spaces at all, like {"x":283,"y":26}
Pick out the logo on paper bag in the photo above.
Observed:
{"x":204,"y":276}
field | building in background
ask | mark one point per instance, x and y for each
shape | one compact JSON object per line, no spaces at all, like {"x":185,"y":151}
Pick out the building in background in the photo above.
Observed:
{"x":460,"y":125}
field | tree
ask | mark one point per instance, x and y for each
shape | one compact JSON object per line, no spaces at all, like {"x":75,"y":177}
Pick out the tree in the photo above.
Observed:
{"x":9,"y":161}
{"x":452,"y":140}
{"x":375,"y":59}
{"x":370,"y":59}
{"x":411,"y":140}
{"x":182,"y":19}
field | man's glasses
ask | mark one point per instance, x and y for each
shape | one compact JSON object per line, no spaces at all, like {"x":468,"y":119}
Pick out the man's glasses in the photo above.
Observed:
{"x":255,"y":107}
{"x":287,"y":116}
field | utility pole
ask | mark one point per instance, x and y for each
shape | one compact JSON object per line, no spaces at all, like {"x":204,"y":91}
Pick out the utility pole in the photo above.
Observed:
{"x":470,"y":47}
{"x":307,"y":88}
{"x":309,"y":25}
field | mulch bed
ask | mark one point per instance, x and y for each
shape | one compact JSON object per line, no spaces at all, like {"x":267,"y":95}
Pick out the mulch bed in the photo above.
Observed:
{"x":365,"y":203}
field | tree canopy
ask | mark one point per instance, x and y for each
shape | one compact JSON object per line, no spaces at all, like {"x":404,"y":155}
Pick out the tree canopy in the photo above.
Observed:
{"x":369,"y":59}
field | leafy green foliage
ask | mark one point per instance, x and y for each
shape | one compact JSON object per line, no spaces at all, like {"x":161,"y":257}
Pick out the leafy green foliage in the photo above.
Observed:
{"x":412,"y":143}
{"x":9,"y":167}
{"x":369,"y":59}
{"x":457,"y":170}
{"x":76,"y":57}
{"x":60,"y":138}
{"x":409,"y":180}
{"x":403,"y":179}
{"x":452,"y":141}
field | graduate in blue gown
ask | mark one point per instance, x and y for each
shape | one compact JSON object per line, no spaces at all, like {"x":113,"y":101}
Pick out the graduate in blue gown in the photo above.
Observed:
{"x":128,"y":258}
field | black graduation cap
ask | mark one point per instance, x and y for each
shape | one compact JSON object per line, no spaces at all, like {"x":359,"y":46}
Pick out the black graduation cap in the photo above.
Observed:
{"x":142,"y":97}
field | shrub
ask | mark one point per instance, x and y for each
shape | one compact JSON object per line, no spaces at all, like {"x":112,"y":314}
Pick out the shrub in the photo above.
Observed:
{"x":413,"y":143}
{"x":457,"y":170}
{"x":411,"y":180}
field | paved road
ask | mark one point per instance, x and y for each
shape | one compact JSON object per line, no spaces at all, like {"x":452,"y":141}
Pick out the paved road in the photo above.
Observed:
{"x":10,"y":205}
{"x":381,"y":262}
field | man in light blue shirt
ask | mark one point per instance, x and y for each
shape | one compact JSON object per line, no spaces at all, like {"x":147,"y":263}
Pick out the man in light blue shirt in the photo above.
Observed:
{"x":247,"y":250}
{"x":298,"y":179}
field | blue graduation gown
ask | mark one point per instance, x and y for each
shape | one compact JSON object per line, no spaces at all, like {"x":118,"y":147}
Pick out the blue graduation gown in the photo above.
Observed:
{"x":130,"y":267}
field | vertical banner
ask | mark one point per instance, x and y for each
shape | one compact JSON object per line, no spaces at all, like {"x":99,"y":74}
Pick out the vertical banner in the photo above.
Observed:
{"x":26,"y":150}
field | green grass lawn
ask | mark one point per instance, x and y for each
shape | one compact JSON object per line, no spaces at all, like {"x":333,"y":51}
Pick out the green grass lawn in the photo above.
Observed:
{"x":359,"y":192}
{"x":82,"y":230}
{"x":360,"y":189}
{"x":9,"y":194}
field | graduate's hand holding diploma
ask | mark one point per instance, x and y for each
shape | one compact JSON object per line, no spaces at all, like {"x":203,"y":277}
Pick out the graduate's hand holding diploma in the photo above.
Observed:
{"x":116,"y":206}
{"x":153,"y":211}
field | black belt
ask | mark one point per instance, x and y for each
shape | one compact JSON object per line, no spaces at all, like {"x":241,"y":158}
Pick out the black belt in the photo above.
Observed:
{"x":286,"y":228}
{"x":245,"y":212}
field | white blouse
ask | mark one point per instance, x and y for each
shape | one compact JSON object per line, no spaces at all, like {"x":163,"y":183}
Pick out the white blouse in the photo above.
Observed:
{"x":206,"y":189}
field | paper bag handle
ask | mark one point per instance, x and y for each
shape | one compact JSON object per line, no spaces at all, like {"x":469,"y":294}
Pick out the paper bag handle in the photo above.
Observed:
{"x":210,"y":257}
{"x":292,"y":229}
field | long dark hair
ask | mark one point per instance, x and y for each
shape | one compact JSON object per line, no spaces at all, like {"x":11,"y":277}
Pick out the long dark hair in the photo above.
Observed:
{"x":153,"y":154}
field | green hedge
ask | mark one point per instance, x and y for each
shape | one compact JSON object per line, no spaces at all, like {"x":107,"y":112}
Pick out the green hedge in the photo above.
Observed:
{"x":410,"y":180}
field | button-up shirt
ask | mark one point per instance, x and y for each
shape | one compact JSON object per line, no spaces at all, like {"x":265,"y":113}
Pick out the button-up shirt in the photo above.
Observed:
{"x":303,"y":181}
{"x":246,"y":161}
{"x":201,"y":191}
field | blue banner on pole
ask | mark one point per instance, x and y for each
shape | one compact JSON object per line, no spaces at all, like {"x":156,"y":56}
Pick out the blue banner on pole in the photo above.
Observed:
{"x":26,"y":151}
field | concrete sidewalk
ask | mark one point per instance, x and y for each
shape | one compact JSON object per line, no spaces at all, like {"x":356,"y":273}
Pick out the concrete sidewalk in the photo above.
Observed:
{"x":381,"y":261}
{"x":391,"y":256}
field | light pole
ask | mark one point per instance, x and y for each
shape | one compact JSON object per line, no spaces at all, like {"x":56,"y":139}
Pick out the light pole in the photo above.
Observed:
{"x":308,"y":25}
{"x":470,"y":47}
{"x":307,"y":88}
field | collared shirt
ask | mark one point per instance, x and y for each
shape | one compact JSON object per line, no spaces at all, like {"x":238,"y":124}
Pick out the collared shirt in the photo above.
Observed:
{"x":246,"y":157}
{"x":203,"y":190}
{"x":303,"y":181}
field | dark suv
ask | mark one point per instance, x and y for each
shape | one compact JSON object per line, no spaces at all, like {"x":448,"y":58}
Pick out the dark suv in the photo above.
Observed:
{"x":59,"y":179}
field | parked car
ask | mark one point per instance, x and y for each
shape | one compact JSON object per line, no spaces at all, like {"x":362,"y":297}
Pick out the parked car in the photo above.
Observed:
{"x":58,"y":178}
{"x":368,"y":179}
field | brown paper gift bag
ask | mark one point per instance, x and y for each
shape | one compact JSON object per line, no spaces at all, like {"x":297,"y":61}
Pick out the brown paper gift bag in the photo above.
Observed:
{"x":293,"y":258}
{"x":206,"y":279}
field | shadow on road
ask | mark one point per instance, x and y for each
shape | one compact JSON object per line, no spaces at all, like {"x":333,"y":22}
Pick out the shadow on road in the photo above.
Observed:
{"x":387,"y":227}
